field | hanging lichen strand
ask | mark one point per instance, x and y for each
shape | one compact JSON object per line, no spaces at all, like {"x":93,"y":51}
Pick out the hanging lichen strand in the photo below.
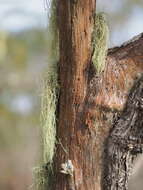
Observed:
{"x":100,"y":42}
{"x":48,"y":104}
{"x":50,"y":92}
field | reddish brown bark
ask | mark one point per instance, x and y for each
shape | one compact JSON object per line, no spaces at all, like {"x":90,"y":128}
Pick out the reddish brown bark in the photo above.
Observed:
{"x":75,"y":29}
{"x":124,"y":66}
{"x":87,"y":101}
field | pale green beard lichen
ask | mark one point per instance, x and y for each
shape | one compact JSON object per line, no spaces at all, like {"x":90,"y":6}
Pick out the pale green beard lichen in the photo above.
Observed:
{"x":48,"y":113}
{"x":100,"y":42}
{"x":50,"y":91}
{"x":48,"y":105}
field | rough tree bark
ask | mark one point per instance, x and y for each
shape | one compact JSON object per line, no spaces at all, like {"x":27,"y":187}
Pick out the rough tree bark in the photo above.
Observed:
{"x":89,"y":104}
{"x":125,"y":142}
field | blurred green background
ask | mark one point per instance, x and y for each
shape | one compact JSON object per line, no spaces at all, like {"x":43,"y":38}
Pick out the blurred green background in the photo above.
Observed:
{"x":23,"y":58}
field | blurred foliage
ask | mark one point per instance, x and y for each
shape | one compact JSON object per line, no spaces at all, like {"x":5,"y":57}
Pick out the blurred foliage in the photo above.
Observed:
{"x":3,"y":45}
{"x":17,"y":52}
{"x":22,"y":45}
{"x":22,"y":58}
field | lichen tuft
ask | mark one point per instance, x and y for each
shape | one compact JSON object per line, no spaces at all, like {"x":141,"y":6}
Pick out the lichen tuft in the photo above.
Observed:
{"x":100,"y":42}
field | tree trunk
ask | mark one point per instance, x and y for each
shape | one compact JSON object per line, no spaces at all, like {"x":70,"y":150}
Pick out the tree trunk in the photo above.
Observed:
{"x":89,"y":104}
{"x":77,"y":140}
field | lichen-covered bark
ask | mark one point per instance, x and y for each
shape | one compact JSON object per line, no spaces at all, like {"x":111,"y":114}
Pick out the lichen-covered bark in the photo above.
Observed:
{"x":89,"y":103}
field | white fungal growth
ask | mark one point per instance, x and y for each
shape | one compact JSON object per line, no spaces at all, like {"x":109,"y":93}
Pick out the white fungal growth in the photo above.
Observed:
{"x":67,"y":168}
